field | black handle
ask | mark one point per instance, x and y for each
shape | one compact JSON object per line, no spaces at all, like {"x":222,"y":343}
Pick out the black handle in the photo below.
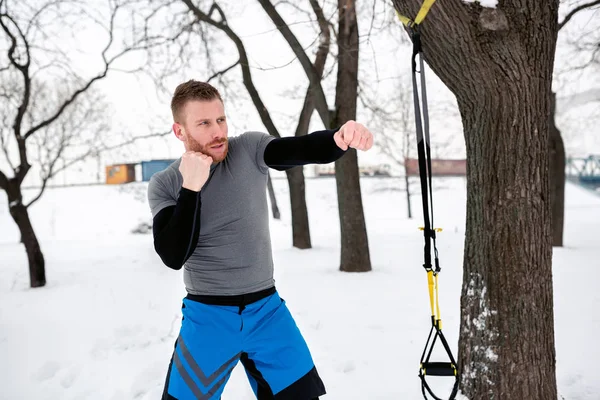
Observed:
{"x":438,"y":369}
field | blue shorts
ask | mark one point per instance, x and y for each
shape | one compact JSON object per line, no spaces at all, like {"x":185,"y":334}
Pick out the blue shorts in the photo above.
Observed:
{"x":260,"y":333}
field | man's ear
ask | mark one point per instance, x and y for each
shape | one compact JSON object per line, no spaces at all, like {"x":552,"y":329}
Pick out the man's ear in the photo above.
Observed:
{"x":179,"y":131}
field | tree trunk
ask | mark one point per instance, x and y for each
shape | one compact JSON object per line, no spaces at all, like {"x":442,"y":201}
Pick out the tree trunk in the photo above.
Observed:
{"x":407,"y":182}
{"x":557,"y":177}
{"x":272,"y":197}
{"x":18,"y":211}
{"x":314,"y":97}
{"x":300,"y":226}
{"x":499,"y":64}
{"x":355,"y":255}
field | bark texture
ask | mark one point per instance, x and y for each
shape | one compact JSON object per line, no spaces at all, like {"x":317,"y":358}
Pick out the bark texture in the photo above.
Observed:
{"x":18,"y":212}
{"x":407,"y":184}
{"x":300,"y":226}
{"x":355,"y":255}
{"x":557,"y":177}
{"x":274,"y":207}
{"x":499,"y":64}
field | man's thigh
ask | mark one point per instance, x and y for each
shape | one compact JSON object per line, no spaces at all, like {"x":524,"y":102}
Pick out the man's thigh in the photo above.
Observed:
{"x":206,"y":351}
{"x":275,"y":355}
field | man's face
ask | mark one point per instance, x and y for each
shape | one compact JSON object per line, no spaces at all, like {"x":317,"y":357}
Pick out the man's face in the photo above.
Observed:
{"x":204,"y":128}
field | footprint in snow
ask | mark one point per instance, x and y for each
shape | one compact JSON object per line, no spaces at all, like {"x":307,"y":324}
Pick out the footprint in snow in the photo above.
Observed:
{"x":47,"y":371}
{"x":69,"y":376}
{"x":348,"y":367}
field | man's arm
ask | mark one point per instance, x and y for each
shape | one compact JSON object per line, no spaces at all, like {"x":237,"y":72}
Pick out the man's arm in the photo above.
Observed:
{"x":315,"y":148}
{"x":176,"y":223}
{"x":176,"y":229}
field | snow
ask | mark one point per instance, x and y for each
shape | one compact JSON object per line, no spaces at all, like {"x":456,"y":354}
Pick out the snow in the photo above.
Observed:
{"x":105,"y":324}
{"x":484,"y":3}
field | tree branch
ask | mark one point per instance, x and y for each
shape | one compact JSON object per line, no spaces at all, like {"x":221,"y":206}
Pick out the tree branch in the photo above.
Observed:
{"x":319,"y":66}
{"x":243,"y":61}
{"x":223,"y":72}
{"x":574,"y":11}
{"x":309,"y":68}
{"x":50,"y":173}
{"x":24,"y":166}
{"x":107,"y":66}
{"x":130,"y":141}
{"x":3,"y":181}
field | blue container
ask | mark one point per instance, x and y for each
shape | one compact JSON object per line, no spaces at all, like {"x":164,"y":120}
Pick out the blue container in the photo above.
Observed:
{"x":151,"y":167}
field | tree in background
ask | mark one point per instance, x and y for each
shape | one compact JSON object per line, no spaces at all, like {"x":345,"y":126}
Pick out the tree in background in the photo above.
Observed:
{"x":396,"y":128}
{"x":586,"y":43}
{"x":314,"y":95}
{"x":395,"y":124}
{"x":499,"y":64}
{"x":51,"y":116}
{"x":354,"y":256}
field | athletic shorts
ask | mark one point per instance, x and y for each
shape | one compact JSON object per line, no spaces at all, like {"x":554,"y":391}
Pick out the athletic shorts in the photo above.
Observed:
{"x":256,"y":329}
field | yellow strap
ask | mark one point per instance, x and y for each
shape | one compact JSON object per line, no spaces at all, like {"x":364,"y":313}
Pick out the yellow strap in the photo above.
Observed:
{"x":423,"y":11}
{"x":431,"y":285}
{"x":420,"y":16}
{"x":434,"y":298}
{"x":437,"y":303}
{"x":405,"y":20}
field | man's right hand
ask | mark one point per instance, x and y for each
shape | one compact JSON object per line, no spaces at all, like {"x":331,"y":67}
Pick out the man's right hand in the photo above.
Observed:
{"x":195,"y":168}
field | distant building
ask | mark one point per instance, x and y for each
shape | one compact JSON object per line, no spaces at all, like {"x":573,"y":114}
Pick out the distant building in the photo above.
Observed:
{"x":120,"y":173}
{"x":364,"y":170}
{"x":151,"y":167}
{"x":439,"y":167}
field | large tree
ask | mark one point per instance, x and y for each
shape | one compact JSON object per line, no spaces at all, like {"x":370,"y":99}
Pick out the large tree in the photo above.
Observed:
{"x":355,"y":256}
{"x":498,"y":62}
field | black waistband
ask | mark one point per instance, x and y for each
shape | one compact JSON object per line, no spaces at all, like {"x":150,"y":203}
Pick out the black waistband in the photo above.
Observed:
{"x":236,"y":300}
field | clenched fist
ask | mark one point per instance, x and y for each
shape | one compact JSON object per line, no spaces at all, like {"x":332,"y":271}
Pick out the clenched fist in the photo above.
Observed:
{"x":195,"y":168}
{"x":355,"y":135}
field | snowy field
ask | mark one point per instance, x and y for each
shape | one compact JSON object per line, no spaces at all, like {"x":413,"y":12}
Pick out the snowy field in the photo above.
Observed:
{"x":104,"y":326}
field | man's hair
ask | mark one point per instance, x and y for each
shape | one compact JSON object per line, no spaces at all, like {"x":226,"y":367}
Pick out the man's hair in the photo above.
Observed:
{"x":191,"y":90}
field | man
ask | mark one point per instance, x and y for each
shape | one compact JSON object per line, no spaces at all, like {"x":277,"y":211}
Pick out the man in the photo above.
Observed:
{"x":211,"y":218}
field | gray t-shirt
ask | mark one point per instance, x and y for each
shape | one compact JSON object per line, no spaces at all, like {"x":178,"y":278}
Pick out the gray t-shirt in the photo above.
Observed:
{"x":233,"y":255}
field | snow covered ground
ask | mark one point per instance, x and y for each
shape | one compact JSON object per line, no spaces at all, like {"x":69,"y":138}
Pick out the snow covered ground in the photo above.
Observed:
{"x":104,"y":326}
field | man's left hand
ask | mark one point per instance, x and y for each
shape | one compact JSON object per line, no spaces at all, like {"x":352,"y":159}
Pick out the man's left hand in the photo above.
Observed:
{"x":354,"y":135}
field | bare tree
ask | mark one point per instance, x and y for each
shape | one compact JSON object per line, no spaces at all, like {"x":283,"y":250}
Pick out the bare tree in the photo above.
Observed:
{"x":45,"y":102}
{"x":588,"y":44}
{"x":314,"y":96}
{"x":355,"y":255}
{"x":395,"y":127}
{"x":499,"y":64}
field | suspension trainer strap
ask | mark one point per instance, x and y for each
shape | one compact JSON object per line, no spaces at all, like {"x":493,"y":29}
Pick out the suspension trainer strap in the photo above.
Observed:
{"x":420,"y":15}
{"x":428,"y":367}
{"x":429,"y":231}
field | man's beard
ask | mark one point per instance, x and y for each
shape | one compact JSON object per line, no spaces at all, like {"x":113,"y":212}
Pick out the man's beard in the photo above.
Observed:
{"x":192,"y":145}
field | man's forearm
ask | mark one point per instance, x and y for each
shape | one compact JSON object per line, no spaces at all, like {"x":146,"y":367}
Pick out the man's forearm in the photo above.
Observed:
{"x":315,"y":148}
{"x":176,"y":229}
